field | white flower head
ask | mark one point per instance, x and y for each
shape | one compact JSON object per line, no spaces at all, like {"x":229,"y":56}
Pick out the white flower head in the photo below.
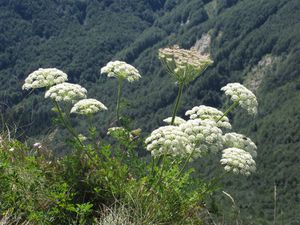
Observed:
{"x":121,"y":70}
{"x":66,"y":92}
{"x":182,"y":64}
{"x":168,"y":140}
{"x":178,"y":120}
{"x":119,"y":132}
{"x":240,"y":141}
{"x":203,"y":112}
{"x":204,"y":136}
{"x":44,"y":78}
{"x":238,"y":161}
{"x":115,"y":129}
{"x":88,"y":106}
{"x":37,"y":145}
{"x":82,"y":138}
{"x":245,"y":97}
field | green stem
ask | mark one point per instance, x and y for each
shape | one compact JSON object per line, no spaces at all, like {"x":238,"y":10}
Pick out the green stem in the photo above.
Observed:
{"x":185,"y":163}
{"x":177,"y":102}
{"x":92,"y":130}
{"x":152,"y":167}
{"x":229,"y":109}
{"x":119,"y":99}
{"x":66,"y":124}
{"x":69,"y":128}
{"x":213,"y":183}
{"x":161,"y":170}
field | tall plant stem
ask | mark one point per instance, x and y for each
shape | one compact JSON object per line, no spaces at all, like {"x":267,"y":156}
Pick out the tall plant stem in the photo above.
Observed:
{"x":119,"y":99}
{"x":229,"y":109}
{"x":185,"y":163}
{"x":92,"y":131}
{"x":161,"y":170}
{"x":70,"y":128}
{"x":275,"y":204}
{"x":152,"y":167}
{"x":177,"y":102}
{"x":214,"y":182}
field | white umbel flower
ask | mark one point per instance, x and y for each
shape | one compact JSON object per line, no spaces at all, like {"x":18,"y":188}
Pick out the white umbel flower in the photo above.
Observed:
{"x":121,"y":70}
{"x":168,"y":140}
{"x":66,"y":92}
{"x":115,"y":129}
{"x":37,"y":145}
{"x":238,"y":161}
{"x":209,"y":113}
{"x":182,"y":64}
{"x":203,"y":135}
{"x":178,"y":120}
{"x":245,"y":97}
{"x":240,"y":141}
{"x":118,"y":132}
{"x":82,"y":138}
{"x":88,"y":106}
{"x":44,"y":78}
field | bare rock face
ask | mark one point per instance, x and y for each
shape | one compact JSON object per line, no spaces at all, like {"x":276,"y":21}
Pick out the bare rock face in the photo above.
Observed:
{"x":203,"y":44}
{"x":259,"y":71}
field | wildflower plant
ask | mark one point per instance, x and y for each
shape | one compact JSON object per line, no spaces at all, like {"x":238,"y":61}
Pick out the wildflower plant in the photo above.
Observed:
{"x":239,"y":94}
{"x":88,"y":106}
{"x":66,"y":92}
{"x":178,"y":120}
{"x":203,"y":112}
{"x":238,"y":161}
{"x":184,"y":66}
{"x":240,"y":141}
{"x":168,"y":140}
{"x":204,"y":135}
{"x":122,"y":71}
{"x":162,"y":188}
{"x":44,"y":78}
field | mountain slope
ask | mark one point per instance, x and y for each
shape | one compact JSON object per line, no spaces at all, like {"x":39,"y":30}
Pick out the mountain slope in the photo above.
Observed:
{"x":252,"y":42}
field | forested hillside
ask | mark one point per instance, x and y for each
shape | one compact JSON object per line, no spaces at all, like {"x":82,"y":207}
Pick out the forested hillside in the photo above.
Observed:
{"x":256,"y":43}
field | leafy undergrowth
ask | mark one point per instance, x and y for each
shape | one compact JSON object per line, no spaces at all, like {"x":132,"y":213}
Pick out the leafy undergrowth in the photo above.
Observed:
{"x":103,"y":179}
{"x":39,"y":189}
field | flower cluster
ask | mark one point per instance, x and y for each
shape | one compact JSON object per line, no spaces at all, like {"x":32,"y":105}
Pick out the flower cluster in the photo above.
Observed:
{"x":115,"y":129}
{"x":245,"y":97}
{"x":240,"y":141}
{"x":184,"y":65}
{"x":88,"y":106}
{"x":121,"y":70}
{"x":178,"y":120}
{"x":203,"y":135}
{"x":209,"y":113}
{"x":119,"y":132}
{"x":66,"y":92}
{"x":168,"y":140}
{"x":81,"y":137}
{"x":37,"y":145}
{"x":238,"y":161}
{"x":44,"y":78}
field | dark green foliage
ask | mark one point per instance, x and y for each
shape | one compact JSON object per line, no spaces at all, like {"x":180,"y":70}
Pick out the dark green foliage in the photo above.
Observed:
{"x":41,"y":189}
{"x":32,"y":188}
{"x":79,"y":37}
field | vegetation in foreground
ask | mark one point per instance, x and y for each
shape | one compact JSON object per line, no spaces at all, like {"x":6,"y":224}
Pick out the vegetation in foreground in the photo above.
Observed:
{"x":80,"y":36}
{"x":107,"y":182}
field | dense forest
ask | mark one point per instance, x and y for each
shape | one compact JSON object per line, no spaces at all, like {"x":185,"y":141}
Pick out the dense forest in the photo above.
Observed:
{"x":256,"y":43}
